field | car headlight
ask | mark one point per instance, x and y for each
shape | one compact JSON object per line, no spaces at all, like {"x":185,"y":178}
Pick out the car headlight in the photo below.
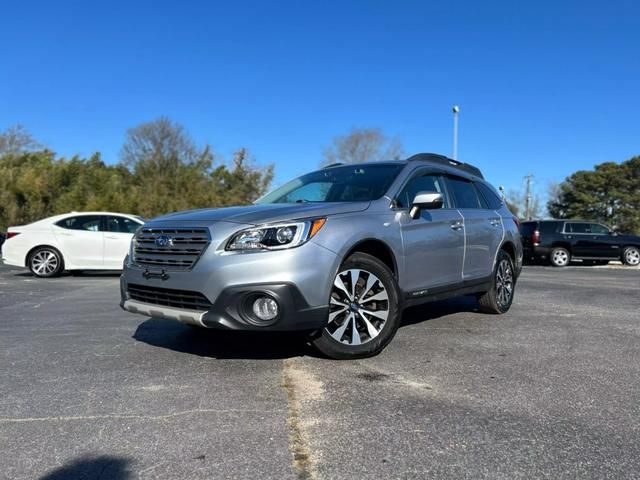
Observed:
{"x":275,"y":237}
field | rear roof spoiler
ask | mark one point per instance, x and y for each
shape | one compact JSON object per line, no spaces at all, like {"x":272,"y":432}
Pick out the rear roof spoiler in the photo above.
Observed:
{"x":443,"y":160}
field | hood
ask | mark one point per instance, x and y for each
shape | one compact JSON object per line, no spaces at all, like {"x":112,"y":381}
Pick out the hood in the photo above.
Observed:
{"x":625,"y":238}
{"x":263,"y":213}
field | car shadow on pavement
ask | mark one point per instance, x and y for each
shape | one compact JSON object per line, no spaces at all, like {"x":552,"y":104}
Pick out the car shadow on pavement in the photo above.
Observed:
{"x":222,"y":344}
{"x":430,"y":311}
{"x":103,"y":467}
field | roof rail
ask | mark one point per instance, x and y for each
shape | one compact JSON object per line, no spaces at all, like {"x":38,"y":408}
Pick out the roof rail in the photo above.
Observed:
{"x":434,"y":157}
{"x":333,"y":165}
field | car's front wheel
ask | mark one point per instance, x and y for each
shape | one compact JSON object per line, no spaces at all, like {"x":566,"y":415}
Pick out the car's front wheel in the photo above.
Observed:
{"x":364,"y":310}
{"x":631,"y":256}
{"x":45,"y":262}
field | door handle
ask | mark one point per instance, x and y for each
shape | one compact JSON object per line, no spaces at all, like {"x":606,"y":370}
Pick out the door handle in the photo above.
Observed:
{"x":111,"y":237}
{"x":494,"y":221}
{"x":457,"y":225}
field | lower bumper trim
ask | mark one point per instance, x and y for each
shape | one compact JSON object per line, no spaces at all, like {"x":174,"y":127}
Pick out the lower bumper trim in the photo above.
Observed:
{"x":193,"y":317}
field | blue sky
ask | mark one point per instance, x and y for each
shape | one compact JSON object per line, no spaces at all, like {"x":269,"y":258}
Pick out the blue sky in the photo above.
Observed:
{"x":544,"y":87}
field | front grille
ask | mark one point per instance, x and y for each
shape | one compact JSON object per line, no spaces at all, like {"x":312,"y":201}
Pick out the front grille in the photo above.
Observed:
{"x":169,"y":297}
{"x":182,"y":252}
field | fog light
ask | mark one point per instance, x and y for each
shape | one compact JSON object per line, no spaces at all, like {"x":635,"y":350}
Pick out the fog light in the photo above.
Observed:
{"x":265,"y":308}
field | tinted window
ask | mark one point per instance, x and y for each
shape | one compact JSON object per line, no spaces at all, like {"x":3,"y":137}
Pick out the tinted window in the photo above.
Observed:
{"x":527,"y":228}
{"x":121,"y":225}
{"x":492,"y":198}
{"x":550,"y":227}
{"x":89,"y":223}
{"x":578,"y":227}
{"x":350,"y":183}
{"x":464,"y":193}
{"x":599,"y":229}
{"x":423,"y":183}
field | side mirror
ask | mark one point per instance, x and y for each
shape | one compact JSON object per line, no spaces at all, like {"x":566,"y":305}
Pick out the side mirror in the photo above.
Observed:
{"x":425,"y":201}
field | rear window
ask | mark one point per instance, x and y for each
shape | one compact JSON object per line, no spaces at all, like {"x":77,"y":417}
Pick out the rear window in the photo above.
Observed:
{"x":550,"y":227}
{"x":527,"y":229}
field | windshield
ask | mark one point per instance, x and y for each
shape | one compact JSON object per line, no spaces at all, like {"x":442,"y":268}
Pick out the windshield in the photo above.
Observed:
{"x":351,"y":183}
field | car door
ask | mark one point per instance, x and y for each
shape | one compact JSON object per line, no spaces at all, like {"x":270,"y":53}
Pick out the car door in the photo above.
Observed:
{"x":433,"y":244}
{"x":483,"y":228}
{"x":117,"y":240}
{"x":81,"y":239}
{"x":601,"y":242}
{"x":578,"y":233}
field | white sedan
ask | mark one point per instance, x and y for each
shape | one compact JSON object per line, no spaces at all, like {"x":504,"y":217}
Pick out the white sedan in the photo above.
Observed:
{"x":73,"y":241}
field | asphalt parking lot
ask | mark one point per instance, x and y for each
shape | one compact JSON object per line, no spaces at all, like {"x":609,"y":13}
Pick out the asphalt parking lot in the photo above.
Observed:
{"x":550,"y":390}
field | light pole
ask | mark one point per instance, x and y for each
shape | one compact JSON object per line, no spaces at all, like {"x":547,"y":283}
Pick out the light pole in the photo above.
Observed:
{"x":456,"y":110}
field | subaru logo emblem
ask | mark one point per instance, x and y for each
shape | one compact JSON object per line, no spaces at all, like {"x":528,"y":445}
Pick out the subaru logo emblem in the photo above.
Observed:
{"x":164,"y":241}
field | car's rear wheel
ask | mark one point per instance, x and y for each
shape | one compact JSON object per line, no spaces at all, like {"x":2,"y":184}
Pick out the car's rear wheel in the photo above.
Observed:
{"x":364,"y":310}
{"x":560,"y":257}
{"x":500,"y":297}
{"x":45,"y":262}
{"x":631,"y":256}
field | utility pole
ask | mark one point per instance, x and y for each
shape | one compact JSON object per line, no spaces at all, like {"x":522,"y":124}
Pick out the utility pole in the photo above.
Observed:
{"x":527,"y":199}
{"x":456,"y":110}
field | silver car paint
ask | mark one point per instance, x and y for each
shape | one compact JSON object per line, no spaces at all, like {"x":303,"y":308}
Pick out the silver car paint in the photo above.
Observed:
{"x":428,"y":251}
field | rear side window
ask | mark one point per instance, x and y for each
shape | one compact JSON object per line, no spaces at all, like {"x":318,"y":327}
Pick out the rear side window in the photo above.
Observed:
{"x":550,"y":227}
{"x":599,"y":229}
{"x":88,"y":223}
{"x":492,"y":198}
{"x":464,"y":193}
{"x":121,"y":225}
{"x":578,"y":228}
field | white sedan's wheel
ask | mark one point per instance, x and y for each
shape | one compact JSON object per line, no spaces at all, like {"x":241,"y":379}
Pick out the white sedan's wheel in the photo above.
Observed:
{"x":46,"y":262}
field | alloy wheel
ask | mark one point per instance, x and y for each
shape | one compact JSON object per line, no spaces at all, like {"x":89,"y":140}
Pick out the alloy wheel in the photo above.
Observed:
{"x":359,"y":307}
{"x":44,"y":262}
{"x":560,"y":257}
{"x":632,"y":256}
{"x":504,"y":283}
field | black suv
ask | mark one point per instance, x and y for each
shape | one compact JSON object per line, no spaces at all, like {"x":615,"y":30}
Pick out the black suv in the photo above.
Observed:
{"x":560,"y":241}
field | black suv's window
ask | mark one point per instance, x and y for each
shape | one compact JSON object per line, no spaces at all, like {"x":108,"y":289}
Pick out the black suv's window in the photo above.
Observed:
{"x":527,"y":228}
{"x":89,"y":223}
{"x":578,"y":227}
{"x":550,"y":227}
{"x":464,"y":193}
{"x":598,"y":229}
{"x":423,"y":183}
{"x":121,"y":225}
{"x":350,"y":183}
{"x":492,"y":198}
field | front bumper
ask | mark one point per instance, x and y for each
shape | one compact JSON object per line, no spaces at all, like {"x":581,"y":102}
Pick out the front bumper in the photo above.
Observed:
{"x":298,"y":279}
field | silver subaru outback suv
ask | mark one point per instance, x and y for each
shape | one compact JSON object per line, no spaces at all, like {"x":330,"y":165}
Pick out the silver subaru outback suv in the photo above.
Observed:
{"x":338,"y":253}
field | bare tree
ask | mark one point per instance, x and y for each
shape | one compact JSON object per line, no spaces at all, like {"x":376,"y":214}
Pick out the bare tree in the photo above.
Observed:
{"x":363,"y":145}
{"x":17,"y":139}
{"x":516,"y":201}
{"x":160,"y":145}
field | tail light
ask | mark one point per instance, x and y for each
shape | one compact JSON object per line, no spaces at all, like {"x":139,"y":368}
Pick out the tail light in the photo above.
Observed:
{"x":535,"y":238}
{"x":12,"y":234}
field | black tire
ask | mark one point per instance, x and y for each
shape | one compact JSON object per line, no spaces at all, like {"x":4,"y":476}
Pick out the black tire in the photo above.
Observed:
{"x":382,"y":298}
{"x":494,"y":301}
{"x":631,"y":256}
{"x":559,"y":257}
{"x":45,"y":262}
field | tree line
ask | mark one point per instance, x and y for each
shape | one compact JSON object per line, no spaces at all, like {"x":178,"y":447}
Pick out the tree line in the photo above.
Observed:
{"x":161,"y":170}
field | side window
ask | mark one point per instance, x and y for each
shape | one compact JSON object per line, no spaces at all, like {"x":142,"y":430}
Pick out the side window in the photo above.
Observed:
{"x":464,"y":193}
{"x":88,"y":223}
{"x":578,"y":227}
{"x":121,"y":225}
{"x":423,"y":183}
{"x":598,"y":229}
{"x":493,"y":200}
